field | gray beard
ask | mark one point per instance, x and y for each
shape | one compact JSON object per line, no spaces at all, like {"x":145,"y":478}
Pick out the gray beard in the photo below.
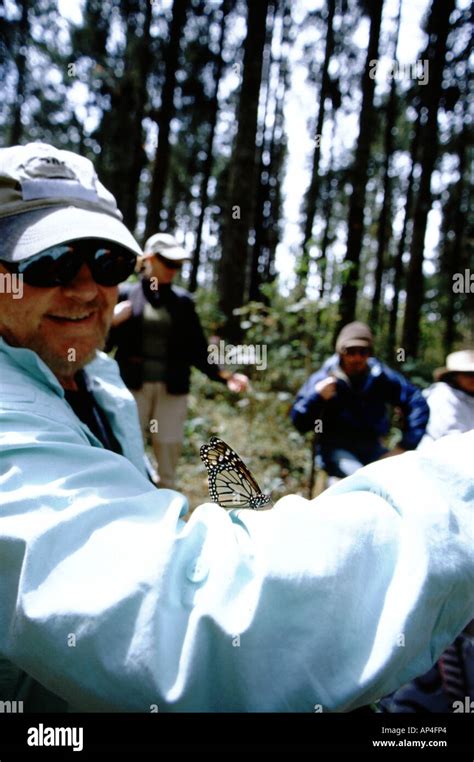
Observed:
{"x":61,"y":367}
{"x":64,"y":368}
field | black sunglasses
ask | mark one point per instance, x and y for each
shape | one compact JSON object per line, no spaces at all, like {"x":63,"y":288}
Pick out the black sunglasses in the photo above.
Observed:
{"x":353,"y":351}
{"x":109,"y":263}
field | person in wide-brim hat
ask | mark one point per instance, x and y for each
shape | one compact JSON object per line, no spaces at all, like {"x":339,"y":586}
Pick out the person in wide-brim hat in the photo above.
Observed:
{"x":451,"y":403}
{"x":461,"y":362}
{"x":451,"y":397}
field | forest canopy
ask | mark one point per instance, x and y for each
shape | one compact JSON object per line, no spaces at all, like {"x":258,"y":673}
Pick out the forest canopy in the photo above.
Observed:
{"x":314,"y":156}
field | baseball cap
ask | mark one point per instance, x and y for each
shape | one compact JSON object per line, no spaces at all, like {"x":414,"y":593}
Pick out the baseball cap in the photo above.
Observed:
{"x":354,"y":335}
{"x":166,"y":246}
{"x":49,"y":196}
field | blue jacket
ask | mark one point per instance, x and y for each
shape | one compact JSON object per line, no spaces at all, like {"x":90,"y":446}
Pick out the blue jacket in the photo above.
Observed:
{"x":112,"y":602}
{"x":360,"y":415}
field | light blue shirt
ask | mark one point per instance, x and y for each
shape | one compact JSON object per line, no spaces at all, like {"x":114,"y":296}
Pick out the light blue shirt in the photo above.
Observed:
{"x":114,"y":603}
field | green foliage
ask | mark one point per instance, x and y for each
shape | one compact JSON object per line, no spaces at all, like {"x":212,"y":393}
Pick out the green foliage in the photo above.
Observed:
{"x":297,"y":335}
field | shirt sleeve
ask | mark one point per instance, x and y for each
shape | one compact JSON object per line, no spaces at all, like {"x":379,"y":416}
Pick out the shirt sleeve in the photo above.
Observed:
{"x":414,"y":405}
{"x":446,"y":412}
{"x":115,"y":332}
{"x":198,"y":349}
{"x":308,"y":404}
{"x":114,"y":603}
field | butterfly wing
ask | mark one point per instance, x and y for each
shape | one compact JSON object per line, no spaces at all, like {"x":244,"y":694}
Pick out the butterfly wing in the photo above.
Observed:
{"x":231,"y":484}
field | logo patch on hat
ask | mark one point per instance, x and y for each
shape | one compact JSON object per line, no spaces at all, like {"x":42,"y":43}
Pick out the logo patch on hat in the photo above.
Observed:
{"x":48,"y":167}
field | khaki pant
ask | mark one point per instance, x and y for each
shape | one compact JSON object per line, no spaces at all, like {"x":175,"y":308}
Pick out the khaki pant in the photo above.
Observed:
{"x":162,"y":418}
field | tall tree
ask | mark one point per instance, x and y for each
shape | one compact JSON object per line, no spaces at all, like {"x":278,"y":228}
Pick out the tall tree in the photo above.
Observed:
{"x":166,"y":113}
{"x":241,"y":193}
{"x":311,"y":195}
{"x":209,"y":160}
{"x":328,"y":193}
{"x":355,"y":231}
{"x":454,"y":258}
{"x":398,"y":263}
{"x":437,"y":29}
{"x":272,"y":152}
{"x":23,"y":34}
{"x":383,"y":230}
{"x":120,"y":133}
{"x":34,"y":103}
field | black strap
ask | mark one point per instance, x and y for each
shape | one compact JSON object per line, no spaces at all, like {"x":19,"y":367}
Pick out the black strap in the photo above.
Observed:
{"x":89,"y":412}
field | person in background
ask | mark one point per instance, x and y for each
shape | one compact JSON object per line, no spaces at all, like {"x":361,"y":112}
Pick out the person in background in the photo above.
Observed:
{"x":451,"y":398}
{"x":349,"y":395}
{"x":447,"y":685}
{"x":159,"y":338}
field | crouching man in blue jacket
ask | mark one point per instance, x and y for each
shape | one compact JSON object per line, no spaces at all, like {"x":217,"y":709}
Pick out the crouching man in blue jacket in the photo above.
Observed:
{"x":346,"y":402}
{"x":109,"y":600}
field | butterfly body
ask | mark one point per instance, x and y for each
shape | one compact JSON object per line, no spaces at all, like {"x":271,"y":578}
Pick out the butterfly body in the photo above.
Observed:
{"x":231,"y":484}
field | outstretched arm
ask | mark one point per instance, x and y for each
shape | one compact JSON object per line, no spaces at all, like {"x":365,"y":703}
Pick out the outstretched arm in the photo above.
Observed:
{"x":333,"y":602}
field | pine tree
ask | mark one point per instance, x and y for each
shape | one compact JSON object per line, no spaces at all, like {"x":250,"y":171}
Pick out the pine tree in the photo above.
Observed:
{"x":438,"y":29}
{"x":350,"y":286}
{"x":312,"y":193}
{"x":166,"y":113}
{"x":241,"y":193}
{"x":384,"y":227}
{"x":218,"y":66}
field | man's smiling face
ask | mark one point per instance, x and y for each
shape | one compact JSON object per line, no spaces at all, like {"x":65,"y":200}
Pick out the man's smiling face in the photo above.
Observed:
{"x":54,"y":321}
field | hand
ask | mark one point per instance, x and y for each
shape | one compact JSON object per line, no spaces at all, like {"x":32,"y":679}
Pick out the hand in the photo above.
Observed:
{"x":326,"y":388}
{"x":237,"y":382}
{"x":122,"y":312}
{"x":397,"y":450}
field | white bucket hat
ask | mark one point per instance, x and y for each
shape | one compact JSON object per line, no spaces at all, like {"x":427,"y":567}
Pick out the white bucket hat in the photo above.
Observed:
{"x":456,"y":362}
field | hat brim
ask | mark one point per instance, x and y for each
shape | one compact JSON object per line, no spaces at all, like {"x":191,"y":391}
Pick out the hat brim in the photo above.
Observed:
{"x":26,"y":234}
{"x":174,"y":255}
{"x":351,"y":343}
{"x":440,"y":373}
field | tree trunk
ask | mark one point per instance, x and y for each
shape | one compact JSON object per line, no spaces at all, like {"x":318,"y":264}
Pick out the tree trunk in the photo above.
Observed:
{"x":120,"y":133}
{"x":166,"y":113}
{"x":453,"y":250}
{"x":138,"y":155}
{"x":327,"y":213}
{"x":355,"y":231}
{"x":438,"y":28}
{"x":208,"y":163}
{"x":384,"y":230}
{"x":311,"y":196}
{"x":261,"y":195}
{"x":24,"y":32}
{"x":241,"y":193}
{"x":398,"y":266}
{"x":263,"y":204}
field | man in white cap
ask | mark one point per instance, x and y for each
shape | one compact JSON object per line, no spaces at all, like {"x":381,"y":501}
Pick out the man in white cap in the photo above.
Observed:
{"x":451,"y":398}
{"x":159,"y":338}
{"x":109,"y":600}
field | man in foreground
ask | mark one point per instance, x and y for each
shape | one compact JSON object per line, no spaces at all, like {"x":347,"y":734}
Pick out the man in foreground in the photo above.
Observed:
{"x":109,"y":601}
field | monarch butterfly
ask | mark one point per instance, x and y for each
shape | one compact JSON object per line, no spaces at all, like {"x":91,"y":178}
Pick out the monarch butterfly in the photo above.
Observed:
{"x":231,"y":484}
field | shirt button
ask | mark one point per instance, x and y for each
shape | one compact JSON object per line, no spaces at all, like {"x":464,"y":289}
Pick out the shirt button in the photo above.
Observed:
{"x":197,"y":571}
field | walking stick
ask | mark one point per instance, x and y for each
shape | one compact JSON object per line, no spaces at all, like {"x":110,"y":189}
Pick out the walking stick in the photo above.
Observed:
{"x":314,"y":448}
{"x":312,"y":473}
